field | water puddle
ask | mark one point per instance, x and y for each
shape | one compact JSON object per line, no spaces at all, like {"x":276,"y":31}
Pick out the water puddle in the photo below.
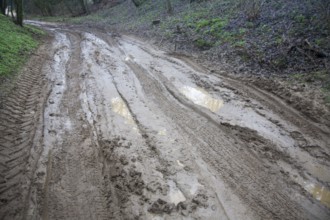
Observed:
{"x":202,"y":98}
{"x":320,"y":193}
{"x":188,"y":183}
{"x":175,"y":194}
{"x":119,"y":107}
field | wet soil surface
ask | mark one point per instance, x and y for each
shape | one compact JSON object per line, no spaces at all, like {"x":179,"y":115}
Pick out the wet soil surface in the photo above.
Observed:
{"x":102,"y":126}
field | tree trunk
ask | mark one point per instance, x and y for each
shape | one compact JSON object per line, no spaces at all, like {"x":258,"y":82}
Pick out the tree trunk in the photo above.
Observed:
{"x":12,"y":11}
{"x":83,"y":6}
{"x":169,"y":7}
{"x":19,"y":12}
{"x":3,"y":6}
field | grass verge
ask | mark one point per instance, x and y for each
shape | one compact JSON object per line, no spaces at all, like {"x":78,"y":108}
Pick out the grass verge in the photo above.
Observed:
{"x":16,"y":43}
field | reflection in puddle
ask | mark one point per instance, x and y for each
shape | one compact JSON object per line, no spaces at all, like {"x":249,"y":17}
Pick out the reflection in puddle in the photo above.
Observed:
{"x":162,"y":132}
{"x":179,"y":163}
{"x":320,"y":193}
{"x":202,"y":98}
{"x":119,"y":107}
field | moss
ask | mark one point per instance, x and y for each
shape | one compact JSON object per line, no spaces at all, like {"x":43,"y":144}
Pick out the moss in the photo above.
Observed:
{"x":212,"y":26}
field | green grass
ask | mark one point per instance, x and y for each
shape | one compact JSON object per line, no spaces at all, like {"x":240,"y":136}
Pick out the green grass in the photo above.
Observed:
{"x":16,"y":43}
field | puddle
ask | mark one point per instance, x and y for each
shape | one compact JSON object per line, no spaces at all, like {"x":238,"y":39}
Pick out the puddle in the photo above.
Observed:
{"x":188,"y":183}
{"x":175,"y":195}
{"x":320,"y":193}
{"x":119,"y":107}
{"x":202,"y":98}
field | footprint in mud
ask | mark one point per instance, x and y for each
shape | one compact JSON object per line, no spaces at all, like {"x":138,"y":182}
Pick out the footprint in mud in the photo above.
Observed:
{"x":108,"y":145}
{"x":184,"y":208}
{"x":54,"y":115}
{"x":160,"y":206}
{"x":156,"y":186}
{"x":296,"y":135}
{"x":276,"y":122}
{"x":123,"y":159}
{"x":52,"y":132}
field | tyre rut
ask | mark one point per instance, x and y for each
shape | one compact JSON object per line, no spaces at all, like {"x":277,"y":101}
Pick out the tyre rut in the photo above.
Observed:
{"x":95,"y":133}
{"x":229,"y":167}
{"x":19,"y":115}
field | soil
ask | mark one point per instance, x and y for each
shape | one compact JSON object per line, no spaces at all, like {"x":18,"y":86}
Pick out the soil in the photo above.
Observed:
{"x":103,"y":126}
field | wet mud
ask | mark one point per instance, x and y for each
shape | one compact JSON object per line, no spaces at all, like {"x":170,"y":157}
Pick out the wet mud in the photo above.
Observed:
{"x":111,"y":127}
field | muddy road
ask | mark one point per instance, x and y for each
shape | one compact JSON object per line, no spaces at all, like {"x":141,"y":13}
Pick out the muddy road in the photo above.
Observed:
{"x":102,"y":126}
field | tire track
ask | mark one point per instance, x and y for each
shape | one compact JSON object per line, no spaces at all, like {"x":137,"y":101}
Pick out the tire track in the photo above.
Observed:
{"x":225,"y":154}
{"x":19,"y":116}
{"x":75,"y":180}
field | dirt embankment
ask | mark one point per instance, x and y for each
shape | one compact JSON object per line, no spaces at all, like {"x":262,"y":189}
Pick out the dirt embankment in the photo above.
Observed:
{"x":111,"y":127}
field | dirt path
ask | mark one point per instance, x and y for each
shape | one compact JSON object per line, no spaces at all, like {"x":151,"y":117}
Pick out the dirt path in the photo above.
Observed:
{"x":105,"y":127}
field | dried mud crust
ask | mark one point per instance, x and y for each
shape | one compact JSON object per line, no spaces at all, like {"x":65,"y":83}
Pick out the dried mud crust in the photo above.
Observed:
{"x":20,"y":114}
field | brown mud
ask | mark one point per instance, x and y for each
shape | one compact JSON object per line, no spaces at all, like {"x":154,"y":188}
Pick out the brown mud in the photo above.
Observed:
{"x":102,"y":126}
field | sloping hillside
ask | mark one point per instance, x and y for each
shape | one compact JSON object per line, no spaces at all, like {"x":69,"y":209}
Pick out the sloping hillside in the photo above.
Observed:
{"x":277,"y":36}
{"x":289,"y":40}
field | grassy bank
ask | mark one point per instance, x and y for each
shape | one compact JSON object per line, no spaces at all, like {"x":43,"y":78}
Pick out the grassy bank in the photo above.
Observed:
{"x":280,"y":36}
{"x":16,"y":43}
{"x":256,"y":37}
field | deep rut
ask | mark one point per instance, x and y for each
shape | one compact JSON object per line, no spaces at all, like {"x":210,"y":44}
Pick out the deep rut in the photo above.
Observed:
{"x":225,"y":153}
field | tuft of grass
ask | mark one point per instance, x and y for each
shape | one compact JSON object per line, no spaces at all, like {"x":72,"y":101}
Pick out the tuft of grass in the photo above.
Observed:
{"x":15,"y":45}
